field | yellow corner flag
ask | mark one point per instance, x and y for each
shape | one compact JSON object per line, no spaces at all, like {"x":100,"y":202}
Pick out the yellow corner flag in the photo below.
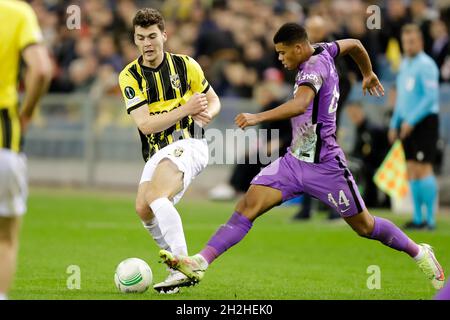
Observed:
{"x":391,"y":176}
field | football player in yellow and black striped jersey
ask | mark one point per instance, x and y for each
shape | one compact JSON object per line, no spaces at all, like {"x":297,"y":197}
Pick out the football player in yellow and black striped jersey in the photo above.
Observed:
{"x":161,"y":90}
{"x":170,"y":101}
{"x":20,"y":37}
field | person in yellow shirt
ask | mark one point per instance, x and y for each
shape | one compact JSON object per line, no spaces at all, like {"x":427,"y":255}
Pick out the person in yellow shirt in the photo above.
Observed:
{"x":20,"y":37}
{"x":170,"y":100}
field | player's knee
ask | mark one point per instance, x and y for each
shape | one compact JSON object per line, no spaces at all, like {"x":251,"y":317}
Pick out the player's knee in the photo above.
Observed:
{"x":240,"y":206}
{"x":152,"y":193}
{"x":248,"y":207}
{"x":143,"y":210}
{"x":363,"y":230}
{"x":7,"y":237}
{"x":362,"y":223}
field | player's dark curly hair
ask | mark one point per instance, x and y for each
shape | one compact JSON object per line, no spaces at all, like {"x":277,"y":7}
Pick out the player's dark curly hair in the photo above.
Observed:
{"x":148,"y":17}
{"x":290,"y":33}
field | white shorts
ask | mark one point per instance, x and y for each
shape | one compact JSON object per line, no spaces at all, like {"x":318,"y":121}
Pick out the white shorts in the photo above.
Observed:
{"x":189,"y":155}
{"x":13,"y":183}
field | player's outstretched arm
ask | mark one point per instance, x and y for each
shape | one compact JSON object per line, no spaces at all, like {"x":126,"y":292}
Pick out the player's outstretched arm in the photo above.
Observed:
{"x":289,"y":109}
{"x":358,"y":53}
{"x":149,"y":124}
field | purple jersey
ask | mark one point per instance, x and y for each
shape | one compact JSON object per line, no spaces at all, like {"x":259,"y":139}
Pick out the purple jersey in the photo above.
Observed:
{"x":316,"y":164}
{"x":314,"y":132}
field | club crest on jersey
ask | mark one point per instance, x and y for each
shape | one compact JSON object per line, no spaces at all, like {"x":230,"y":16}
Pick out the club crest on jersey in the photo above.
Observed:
{"x":178,"y":152}
{"x":175,"y":81}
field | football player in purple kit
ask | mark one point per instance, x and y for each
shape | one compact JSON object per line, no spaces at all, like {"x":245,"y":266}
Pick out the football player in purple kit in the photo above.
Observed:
{"x":314,"y":163}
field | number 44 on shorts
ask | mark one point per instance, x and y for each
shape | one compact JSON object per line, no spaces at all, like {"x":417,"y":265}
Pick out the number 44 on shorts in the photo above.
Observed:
{"x":343,"y":200}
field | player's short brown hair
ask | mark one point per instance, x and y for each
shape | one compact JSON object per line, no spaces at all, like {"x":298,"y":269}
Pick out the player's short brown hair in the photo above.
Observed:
{"x":148,"y":17}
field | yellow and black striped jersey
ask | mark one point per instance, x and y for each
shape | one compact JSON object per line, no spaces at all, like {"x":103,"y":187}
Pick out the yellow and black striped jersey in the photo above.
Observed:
{"x":19,"y":28}
{"x":163,"y":89}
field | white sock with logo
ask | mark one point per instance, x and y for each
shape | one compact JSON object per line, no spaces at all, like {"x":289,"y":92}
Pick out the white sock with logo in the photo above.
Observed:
{"x":170,"y":225}
{"x":152,"y":226}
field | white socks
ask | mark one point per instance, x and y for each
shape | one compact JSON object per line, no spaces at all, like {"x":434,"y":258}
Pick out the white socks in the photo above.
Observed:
{"x":202,"y":261}
{"x":3,"y":296}
{"x":168,"y":221}
{"x":153,"y":227}
{"x":420,"y":254}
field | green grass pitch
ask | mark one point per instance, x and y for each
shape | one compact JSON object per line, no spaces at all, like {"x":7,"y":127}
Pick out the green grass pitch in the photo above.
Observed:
{"x":279,"y":259}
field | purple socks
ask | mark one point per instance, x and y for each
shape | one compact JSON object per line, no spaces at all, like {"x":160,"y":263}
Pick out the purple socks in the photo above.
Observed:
{"x":238,"y":226}
{"x":226,"y":236}
{"x":390,"y":235}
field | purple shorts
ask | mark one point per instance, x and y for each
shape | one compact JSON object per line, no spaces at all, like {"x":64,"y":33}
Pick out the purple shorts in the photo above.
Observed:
{"x":331,"y":182}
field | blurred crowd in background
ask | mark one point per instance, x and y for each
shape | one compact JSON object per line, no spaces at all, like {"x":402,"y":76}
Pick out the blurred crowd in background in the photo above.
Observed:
{"x":231,"y":39}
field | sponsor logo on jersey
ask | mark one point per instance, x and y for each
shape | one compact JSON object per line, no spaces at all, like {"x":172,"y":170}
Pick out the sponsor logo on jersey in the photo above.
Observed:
{"x":310,"y":77}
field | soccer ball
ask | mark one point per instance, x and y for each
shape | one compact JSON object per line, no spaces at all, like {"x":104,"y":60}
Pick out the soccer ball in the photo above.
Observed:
{"x":133,"y":275}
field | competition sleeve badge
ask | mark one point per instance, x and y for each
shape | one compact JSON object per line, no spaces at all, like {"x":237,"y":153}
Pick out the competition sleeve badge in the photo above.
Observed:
{"x":129,"y":92}
{"x":175,"y":81}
